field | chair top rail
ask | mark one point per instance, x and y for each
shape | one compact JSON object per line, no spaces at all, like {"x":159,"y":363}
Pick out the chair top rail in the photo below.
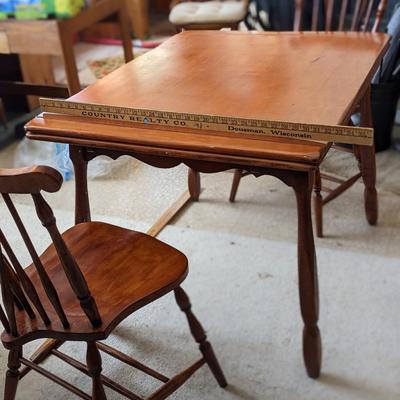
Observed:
{"x":30,"y":180}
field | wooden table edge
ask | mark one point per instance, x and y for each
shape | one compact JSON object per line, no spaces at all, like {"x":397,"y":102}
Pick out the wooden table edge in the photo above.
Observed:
{"x":218,"y":158}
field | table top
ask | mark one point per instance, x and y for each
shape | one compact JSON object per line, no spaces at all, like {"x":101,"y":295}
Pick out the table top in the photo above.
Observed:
{"x":290,"y":76}
{"x":312,"y":77}
{"x":274,"y":152}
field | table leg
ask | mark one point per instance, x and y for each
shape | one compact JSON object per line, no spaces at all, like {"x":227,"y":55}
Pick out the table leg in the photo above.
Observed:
{"x":308,"y":278}
{"x":366,"y":158}
{"x":82,"y":207}
{"x":194,"y":184}
{"x":238,"y":174}
{"x":318,"y":204}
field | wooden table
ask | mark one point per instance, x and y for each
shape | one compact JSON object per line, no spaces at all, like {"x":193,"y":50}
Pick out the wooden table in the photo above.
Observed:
{"x":303,"y":77}
{"x":37,"y":41}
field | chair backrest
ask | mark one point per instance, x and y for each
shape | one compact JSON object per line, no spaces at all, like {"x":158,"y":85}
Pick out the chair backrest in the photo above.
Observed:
{"x":367,"y":15}
{"x":21,"y":88}
{"x":15,"y":283}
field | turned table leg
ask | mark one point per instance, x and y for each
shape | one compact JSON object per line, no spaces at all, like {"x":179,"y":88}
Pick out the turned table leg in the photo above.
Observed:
{"x":368,"y":172}
{"x":82,"y":208}
{"x":308,"y":278}
{"x":366,"y":157}
{"x":318,"y":204}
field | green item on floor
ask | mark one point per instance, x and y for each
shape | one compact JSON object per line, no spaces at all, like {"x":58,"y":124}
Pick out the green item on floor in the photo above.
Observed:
{"x":68,"y":8}
{"x":33,"y":9}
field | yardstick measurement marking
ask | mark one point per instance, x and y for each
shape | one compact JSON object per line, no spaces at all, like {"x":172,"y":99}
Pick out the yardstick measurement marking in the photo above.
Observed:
{"x":340,"y":134}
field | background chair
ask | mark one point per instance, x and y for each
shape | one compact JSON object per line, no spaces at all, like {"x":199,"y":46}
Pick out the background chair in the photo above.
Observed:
{"x":9,"y":130}
{"x":66,"y":293}
{"x":36,"y":42}
{"x":213,"y":14}
{"x":332,"y":15}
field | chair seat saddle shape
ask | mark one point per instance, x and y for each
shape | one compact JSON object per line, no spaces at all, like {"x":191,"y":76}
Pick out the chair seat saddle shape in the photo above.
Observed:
{"x":83,"y":285}
{"x":124,"y":270}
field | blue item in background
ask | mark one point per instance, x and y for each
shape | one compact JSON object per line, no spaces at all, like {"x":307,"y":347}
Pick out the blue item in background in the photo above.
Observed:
{"x":6,"y":9}
{"x":62,"y":161}
{"x":6,"y":6}
{"x":32,"y":152}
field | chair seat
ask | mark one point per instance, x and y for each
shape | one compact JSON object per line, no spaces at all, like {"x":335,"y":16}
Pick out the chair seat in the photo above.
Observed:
{"x":208,"y":12}
{"x":124,"y":269}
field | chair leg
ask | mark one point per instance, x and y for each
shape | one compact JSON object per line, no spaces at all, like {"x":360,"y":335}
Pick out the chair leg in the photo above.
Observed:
{"x":199,"y":335}
{"x":12,"y":376}
{"x":93,"y":360}
{"x":318,"y":204}
{"x":194,"y":184}
{"x":235,"y":184}
{"x":368,"y":172}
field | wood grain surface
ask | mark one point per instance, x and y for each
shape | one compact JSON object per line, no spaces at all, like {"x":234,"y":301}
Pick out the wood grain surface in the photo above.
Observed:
{"x":156,"y":269}
{"x":310,"y":77}
{"x":81,"y":132}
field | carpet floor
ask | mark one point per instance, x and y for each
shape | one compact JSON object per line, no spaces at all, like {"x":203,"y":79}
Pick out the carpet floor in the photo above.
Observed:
{"x":243,"y":285}
{"x":245,"y":294}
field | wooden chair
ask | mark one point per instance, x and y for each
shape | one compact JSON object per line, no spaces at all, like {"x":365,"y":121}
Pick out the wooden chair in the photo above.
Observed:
{"x":88,"y":280}
{"x":36,"y":42}
{"x":15,"y":88}
{"x":361,"y":20}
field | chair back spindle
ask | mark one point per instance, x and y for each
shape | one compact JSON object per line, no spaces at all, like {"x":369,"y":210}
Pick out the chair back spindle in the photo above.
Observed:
{"x":23,"y":278}
{"x":361,"y":19}
{"x":44,"y":278}
{"x":16,"y":286}
{"x":8,"y":299}
{"x":72,"y":271}
{"x":379,"y":15}
{"x":329,"y":14}
{"x":342,"y":17}
{"x":19,"y":296}
{"x":4,"y":320}
{"x":367,"y":17}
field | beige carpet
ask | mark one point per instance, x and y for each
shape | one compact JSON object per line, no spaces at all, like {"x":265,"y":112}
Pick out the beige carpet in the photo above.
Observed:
{"x":265,"y":207}
{"x":244,"y":290}
{"x":243,"y":285}
{"x":387,"y":165}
